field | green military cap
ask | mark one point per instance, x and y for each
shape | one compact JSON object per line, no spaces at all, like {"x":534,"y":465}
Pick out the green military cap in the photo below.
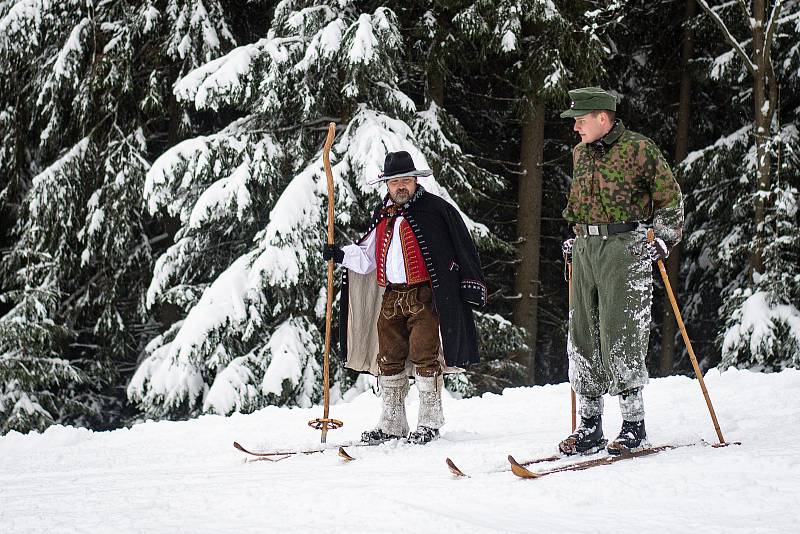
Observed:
{"x":588,"y":99}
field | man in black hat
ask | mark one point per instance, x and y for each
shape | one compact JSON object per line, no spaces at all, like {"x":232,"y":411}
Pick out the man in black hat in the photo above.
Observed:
{"x":427,"y":278}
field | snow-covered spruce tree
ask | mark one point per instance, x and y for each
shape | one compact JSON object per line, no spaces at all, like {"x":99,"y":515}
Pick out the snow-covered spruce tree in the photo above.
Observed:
{"x":245,"y":267}
{"x":84,"y":85}
{"x":34,"y":377}
{"x":758,"y":312}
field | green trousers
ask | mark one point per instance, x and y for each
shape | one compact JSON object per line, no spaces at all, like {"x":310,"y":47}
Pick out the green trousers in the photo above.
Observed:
{"x":609,"y":316}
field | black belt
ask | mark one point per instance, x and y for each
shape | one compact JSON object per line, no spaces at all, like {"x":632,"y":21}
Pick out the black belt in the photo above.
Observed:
{"x":604,"y":229}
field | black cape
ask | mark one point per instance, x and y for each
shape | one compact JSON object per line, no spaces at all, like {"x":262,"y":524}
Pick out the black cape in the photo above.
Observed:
{"x":456,"y":278}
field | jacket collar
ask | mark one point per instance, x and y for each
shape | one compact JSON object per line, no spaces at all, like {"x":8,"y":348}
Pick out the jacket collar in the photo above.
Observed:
{"x":604,"y":144}
{"x":616,"y":132}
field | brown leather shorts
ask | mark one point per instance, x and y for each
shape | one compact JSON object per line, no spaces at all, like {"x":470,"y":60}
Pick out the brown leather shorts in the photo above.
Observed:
{"x":408,"y":328}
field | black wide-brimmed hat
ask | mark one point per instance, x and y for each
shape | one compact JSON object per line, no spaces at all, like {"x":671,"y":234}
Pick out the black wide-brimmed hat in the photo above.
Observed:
{"x":400,"y":164}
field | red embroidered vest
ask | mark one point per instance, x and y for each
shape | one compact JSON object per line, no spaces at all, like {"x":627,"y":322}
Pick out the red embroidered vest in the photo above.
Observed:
{"x":416,"y":272}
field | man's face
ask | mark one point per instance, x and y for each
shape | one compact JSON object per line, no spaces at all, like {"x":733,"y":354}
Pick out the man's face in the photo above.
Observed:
{"x":592,"y":126}
{"x":401,"y":188}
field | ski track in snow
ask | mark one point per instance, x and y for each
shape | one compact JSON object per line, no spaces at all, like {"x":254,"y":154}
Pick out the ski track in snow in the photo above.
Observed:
{"x":186,"y":477}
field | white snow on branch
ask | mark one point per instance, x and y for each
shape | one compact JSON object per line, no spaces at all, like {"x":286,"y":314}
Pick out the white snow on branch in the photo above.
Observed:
{"x":726,"y":142}
{"x":560,"y":72}
{"x":364,"y":42}
{"x":194,"y":26}
{"x":792,"y":17}
{"x":290,"y":351}
{"x":550,"y":10}
{"x":304,"y":16}
{"x":508,"y":42}
{"x":757,"y":323}
{"x":163,"y":381}
{"x":325,"y":44}
{"x":428,"y":129}
{"x":151,"y":16}
{"x":294,"y":218}
{"x":166,"y":268}
{"x":189,"y":169}
{"x":223,"y":305}
{"x":23,"y":14}
{"x":721,"y":64}
{"x":226,"y":193}
{"x":200,"y":18}
{"x":737,"y":46}
{"x":66,"y":60}
{"x":398,"y":97}
{"x":173,"y":169}
{"x":42,"y":186}
{"x":209,"y":86}
{"x":233,"y":388}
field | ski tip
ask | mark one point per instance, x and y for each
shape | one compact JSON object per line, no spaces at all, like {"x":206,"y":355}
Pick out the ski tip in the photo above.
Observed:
{"x":454,"y":469}
{"x":238,"y":446}
{"x":345,"y":455}
{"x":519,"y":470}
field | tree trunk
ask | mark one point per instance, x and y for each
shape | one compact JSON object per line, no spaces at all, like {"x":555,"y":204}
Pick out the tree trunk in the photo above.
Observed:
{"x":765,"y":103}
{"x":669,"y":325}
{"x":435,"y":91}
{"x":529,"y":217}
{"x":763,"y":106}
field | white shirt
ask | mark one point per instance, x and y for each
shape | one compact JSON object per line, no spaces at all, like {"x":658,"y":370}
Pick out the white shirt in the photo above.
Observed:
{"x":361,"y":258}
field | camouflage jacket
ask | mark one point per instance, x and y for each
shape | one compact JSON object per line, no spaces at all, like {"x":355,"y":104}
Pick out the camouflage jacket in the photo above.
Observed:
{"x":624,"y":178}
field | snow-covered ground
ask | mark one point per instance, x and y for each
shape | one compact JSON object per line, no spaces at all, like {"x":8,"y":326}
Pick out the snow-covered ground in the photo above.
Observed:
{"x":186,"y":477}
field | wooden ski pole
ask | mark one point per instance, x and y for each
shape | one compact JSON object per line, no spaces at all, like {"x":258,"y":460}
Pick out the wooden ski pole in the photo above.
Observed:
{"x":671,"y":295}
{"x":572,"y":399}
{"x":325,"y":423}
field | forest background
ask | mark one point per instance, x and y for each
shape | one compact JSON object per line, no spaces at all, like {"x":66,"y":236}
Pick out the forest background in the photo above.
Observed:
{"x":162,"y":197}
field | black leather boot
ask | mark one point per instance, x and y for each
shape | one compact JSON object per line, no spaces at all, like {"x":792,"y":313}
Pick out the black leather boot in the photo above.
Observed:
{"x":587,"y":438}
{"x":632,"y":438}
{"x":423,"y":435}
{"x":376,"y":435}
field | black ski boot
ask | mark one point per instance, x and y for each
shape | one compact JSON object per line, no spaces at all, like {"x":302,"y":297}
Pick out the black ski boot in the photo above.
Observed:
{"x":587,"y":438}
{"x":423,"y":435}
{"x":376,"y":435}
{"x":632,"y":438}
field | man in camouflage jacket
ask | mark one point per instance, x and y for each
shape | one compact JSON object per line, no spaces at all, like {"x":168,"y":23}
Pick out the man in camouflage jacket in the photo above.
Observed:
{"x":621,"y":186}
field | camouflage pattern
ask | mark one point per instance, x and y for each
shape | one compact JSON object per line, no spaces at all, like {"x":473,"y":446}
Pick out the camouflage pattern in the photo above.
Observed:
{"x":609,"y":316}
{"x":624,"y":178}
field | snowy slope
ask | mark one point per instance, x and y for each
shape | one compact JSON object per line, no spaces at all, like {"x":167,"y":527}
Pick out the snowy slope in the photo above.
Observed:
{"x":186,"y":477}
